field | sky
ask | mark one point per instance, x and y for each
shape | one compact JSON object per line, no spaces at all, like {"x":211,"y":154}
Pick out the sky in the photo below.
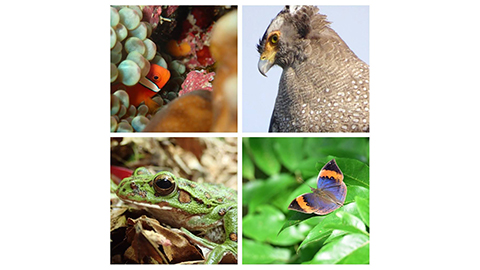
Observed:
{"x":259,"y":92}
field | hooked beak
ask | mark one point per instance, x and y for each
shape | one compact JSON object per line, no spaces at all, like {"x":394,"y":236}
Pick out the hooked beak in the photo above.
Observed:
{"x":264,"y":65}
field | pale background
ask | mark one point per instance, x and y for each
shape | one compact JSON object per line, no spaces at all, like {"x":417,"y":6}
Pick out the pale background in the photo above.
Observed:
{"x":424,"y":137}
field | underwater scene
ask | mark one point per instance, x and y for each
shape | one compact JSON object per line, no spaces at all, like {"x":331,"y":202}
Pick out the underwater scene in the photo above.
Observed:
{"x":173,"y":68}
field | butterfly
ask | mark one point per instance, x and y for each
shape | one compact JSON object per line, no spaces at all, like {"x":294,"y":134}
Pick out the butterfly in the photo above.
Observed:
{"x":327,"y":197}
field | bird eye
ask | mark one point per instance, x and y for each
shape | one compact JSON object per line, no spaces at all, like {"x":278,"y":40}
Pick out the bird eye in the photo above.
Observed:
{"x":274,"y":38}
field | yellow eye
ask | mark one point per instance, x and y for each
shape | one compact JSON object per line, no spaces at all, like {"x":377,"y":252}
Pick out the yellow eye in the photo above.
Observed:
{"x":274,"y":38}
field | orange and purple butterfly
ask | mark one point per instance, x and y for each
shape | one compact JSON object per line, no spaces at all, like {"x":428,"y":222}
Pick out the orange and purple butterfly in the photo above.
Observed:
{"x":327,"y":197}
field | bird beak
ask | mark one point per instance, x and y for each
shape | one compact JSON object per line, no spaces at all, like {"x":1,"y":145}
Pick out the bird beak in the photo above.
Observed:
{"x":264,"y":65}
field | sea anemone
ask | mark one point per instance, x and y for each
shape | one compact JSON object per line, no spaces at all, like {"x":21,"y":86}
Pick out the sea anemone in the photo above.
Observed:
{"x":129,"y":41}
{"x":124,"y":116}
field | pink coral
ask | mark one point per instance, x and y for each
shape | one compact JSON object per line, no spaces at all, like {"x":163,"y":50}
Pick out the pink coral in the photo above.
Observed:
{"x":197,"y":31}
{"x":203,"y":16}
{"x":199,"y":42}
{"x":152,"y":14}
{"x":197,"y":80}
{"x":171,"y":10}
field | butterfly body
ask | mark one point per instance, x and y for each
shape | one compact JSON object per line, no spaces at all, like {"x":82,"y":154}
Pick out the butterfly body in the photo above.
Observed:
{"x":328,"y":196}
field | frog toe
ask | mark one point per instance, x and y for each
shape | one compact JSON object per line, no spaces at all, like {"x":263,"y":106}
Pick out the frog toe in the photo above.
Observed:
{"x":219,"y":252}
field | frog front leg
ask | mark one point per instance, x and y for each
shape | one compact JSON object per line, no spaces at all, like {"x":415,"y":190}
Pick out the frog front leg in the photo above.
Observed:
{"x":230,"y":224}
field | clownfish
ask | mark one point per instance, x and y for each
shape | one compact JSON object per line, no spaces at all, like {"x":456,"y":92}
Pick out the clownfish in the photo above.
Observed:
{"x":147,"y":87}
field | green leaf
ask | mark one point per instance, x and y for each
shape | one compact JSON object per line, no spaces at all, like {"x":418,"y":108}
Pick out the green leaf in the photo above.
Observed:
{"x":363,"y":209}
{"x":356,"y":191}
{"x":265,"y":217}
{"x":323,"y":233}
{"x":264,"y":191}
{"x":351,"y":208}
{"x":351,"y":220}
{"x":294,"y":218}
{"x":319,"y":234}
{"x":307,"y":168}
{"x":263,"y":225}
{"x":349,"y":224}
{"x":264,"y":156}
{"x":248,"y":170}
{"x":251,"y":191}
{"x":307,"y":252}
{"x":260,"y":253}
{"x":355,"y":172}
{"x":347,"y":249}
{"x":113,"y":187}
{"x":288,"y":152}
{"x":346,"y":228}
{"x":355,"y":148}
{"x":360,"y":255}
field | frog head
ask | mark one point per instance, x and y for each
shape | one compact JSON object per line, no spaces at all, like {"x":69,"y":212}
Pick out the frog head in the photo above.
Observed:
{"x":174,"y":200}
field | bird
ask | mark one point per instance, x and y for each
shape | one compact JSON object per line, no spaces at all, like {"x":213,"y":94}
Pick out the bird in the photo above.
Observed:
{"x":324,"y":86}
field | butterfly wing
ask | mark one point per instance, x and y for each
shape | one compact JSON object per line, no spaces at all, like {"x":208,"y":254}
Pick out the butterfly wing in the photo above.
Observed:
{"x":328,"y":196}
{"x":313,"y":203}
{"x":330,"y":185}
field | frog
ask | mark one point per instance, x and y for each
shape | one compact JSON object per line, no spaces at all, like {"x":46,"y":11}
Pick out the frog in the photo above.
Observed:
{"x":210,"y":210}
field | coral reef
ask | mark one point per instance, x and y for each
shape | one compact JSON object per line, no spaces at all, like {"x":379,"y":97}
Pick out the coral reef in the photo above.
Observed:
{"x":214,"y":109}
{"x":197,"y":80}
{"x":175,"y":38}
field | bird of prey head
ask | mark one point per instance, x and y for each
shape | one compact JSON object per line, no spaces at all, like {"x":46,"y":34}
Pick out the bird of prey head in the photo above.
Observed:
{"x":291,"y":26}
{"x":324,"y":85}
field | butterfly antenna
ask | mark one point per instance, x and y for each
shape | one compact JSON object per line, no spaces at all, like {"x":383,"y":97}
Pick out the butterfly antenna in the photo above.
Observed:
{"x":300,"y":180}
{"x":298,"y":177}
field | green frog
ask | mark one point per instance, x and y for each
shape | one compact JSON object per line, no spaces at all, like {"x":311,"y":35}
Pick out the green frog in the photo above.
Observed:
{"x":208,"y":209}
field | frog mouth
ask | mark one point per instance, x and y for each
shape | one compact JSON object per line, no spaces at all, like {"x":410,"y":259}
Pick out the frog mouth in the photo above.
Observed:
{"x":167,"y":214}
{"x":149,"y":205}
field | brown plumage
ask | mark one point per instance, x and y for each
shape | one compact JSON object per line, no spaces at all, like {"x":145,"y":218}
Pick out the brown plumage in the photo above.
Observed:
{"x":324,"y":86}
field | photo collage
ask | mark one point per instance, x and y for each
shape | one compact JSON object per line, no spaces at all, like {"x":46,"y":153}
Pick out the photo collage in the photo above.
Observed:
{"x":239,"y":134}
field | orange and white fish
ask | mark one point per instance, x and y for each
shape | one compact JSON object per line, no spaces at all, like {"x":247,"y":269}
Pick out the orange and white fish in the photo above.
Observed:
{"x":147,"y":87}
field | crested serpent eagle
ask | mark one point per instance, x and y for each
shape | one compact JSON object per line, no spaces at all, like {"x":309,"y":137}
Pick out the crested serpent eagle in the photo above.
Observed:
{"x":324,"y":86}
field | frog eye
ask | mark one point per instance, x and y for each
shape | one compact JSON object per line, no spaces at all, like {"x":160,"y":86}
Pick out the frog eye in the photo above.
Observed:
{"x":164,"y":184}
